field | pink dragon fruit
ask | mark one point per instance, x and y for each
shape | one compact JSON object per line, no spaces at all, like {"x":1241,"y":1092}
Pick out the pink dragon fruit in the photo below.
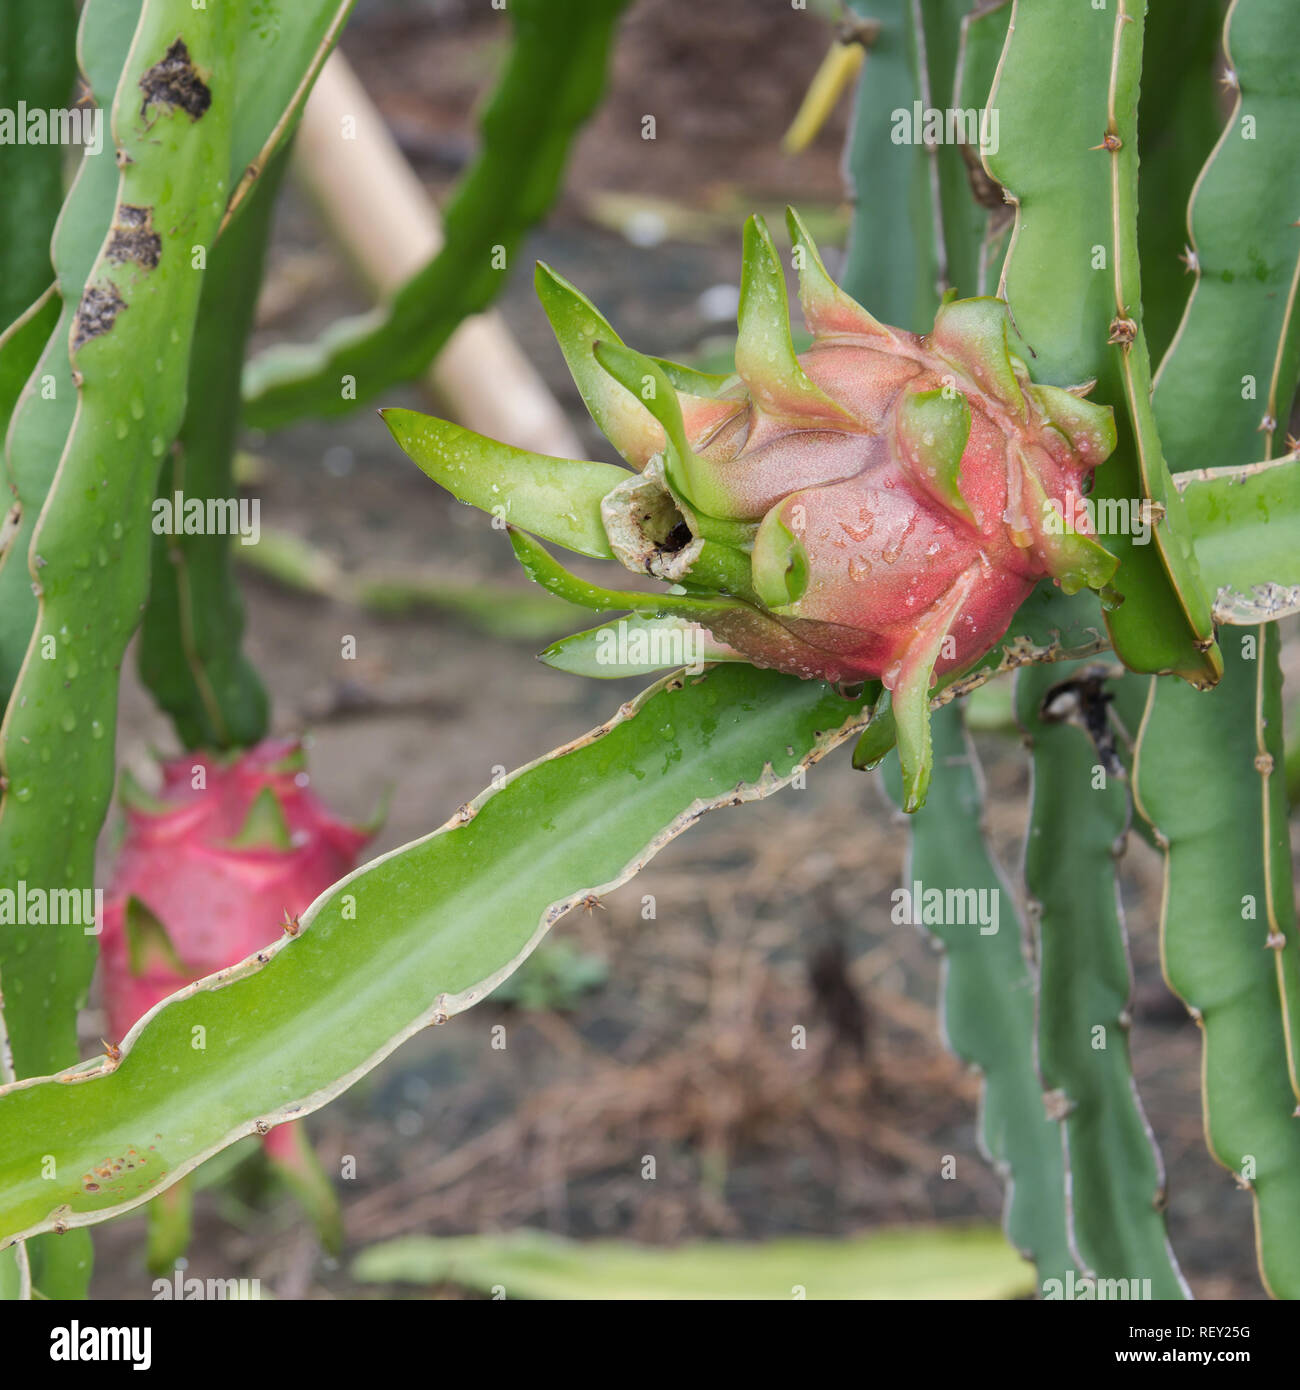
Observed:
{"x":875,"y":508}
{"x":209,"y":872}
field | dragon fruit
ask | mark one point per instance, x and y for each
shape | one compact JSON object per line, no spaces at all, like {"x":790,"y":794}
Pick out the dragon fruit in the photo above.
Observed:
{"x":875,"y":508}
{"x":213,"y":869}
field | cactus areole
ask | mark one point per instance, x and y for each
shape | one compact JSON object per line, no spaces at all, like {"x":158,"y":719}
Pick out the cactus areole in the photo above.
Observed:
{"x":876,"y":507}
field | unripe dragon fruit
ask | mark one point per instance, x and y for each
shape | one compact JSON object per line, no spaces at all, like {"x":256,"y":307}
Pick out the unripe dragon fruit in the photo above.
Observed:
{"x":217,"y":867}
{"x":875,"y":508}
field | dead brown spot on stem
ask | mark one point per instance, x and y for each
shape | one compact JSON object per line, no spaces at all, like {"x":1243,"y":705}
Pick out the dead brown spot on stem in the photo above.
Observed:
{"x":133,"y":238}
{"x":174,"y":84}
{"x":96,"y":314}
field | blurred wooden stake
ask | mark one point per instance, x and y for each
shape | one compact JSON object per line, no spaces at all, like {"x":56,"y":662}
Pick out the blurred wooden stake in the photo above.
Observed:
{"x":378,"y":210}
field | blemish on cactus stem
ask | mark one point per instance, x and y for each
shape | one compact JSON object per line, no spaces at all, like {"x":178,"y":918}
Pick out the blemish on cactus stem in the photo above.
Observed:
{"x":174,"y":83}
{"x":1057,"y":1105}
{"x":133,"y":237}
{"x":96,"y":314}
{"x":262,"y":1127}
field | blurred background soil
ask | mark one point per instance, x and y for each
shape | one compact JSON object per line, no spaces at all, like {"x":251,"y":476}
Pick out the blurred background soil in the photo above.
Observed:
{"x":675,"y":1035}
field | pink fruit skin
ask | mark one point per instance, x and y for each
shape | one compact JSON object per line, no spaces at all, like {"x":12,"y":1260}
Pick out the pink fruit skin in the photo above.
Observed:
{"x":882,"y":548}
{"x":218,"y":903}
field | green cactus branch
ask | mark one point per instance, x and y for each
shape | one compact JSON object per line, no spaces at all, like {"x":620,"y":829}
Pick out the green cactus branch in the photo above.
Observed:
{"x":1244,"y":519}
{"x":1071,"y":277}
{"x":894,"y":275}
{"x":987,"y":998}
{"x":15,"y":1262}
{"x":412,"y":938}
{"x":1228,"y":927}
{"x":552,"y":82}
{"x":1080,"y":799}
{"x":43,"y":412}
{"x":277,"y":65}
{"x":1222,"y":955}
{"x":189,"y":652}
{"x":37,"y":68}
{"x":56,"y":743}
{"x":1178,"y":125}
{"x":987,"y":995}
{"x":1170,"y":531}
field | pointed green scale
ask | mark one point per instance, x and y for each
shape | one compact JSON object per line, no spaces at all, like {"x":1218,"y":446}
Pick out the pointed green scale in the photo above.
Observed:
{"x":557,"y":498}
{"x":135,"y":798}
{"x":1089,"y":427}
{"x":827,"y":309}
{"x":292,"y":762}
{"x":688,"y":381}
{"x":933,"y":427}
{"x":542,"y":568}
{"x":723,"y":570}
{"x":765,"y":355}
{"x":578,"y":325}
{"x":972,"y":335}
{"x":265,"y":826}
{"x":635,"y":646}
{"x":911,"y":693}
{"x":148,"y":945}
{"x":780,"y":564}
{"x":299,"y":1167}
{"x":690,"y":476}
{"x":878,"y":738}
{"x":1082,"y":563}
{"x":1074,"y":560}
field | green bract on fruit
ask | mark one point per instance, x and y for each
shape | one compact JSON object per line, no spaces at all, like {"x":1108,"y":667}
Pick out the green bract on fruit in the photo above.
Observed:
{"x":877,"y":507}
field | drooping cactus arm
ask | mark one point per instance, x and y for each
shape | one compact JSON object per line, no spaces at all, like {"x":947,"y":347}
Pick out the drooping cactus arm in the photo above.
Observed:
{"x":1071,"y":277}
{"x":552,"y":82}
{"x":414,"y":937}
{"x":1228,"y":929}
{"x":988,"y":993}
